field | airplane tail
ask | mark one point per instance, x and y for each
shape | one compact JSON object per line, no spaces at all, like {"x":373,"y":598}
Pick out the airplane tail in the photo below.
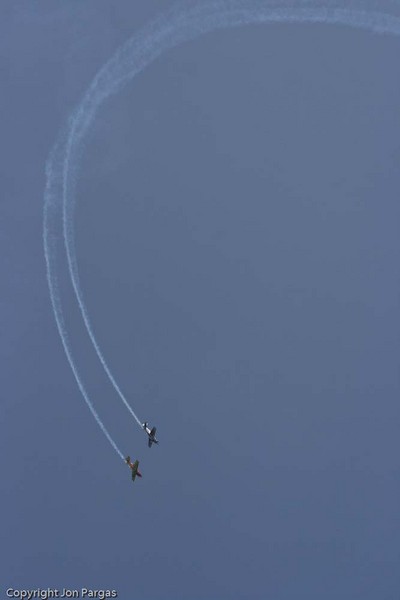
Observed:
{"x":128,"y":460}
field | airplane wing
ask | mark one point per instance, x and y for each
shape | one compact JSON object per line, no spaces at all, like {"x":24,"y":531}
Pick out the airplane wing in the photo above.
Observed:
{"x":135,"y":469}
{"x":153,"y":431}
{"x":150,"y":442}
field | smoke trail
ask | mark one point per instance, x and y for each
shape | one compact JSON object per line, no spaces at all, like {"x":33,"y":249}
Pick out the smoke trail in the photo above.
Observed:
{"x":52,"y":213}
{"x":183,"y":23}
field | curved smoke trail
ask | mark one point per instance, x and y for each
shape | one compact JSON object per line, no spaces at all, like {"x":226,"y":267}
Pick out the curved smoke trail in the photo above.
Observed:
{"x":52,"y":214}
{"x":182,"y":23}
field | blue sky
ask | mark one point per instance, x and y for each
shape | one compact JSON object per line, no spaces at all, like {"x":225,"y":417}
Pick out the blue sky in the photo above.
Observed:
{"x":237,"y":241}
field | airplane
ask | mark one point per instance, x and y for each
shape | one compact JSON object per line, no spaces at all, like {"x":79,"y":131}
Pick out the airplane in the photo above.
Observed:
{"x":151,"y":433}
{"x":134,"y":466}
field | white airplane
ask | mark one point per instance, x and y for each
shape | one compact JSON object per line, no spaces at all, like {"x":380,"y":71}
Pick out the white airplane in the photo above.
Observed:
{"x":151,"y":433}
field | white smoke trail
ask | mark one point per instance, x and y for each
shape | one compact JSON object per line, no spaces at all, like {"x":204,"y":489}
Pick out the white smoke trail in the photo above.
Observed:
{"x":182,"y":23}
{"x":52,"y":214}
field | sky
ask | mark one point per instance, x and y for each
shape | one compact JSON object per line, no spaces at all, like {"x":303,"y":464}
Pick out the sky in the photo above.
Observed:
{"x":237,"y":242}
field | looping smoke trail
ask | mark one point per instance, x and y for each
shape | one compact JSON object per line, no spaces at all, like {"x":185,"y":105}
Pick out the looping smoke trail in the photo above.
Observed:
{"x":182,"y":23}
